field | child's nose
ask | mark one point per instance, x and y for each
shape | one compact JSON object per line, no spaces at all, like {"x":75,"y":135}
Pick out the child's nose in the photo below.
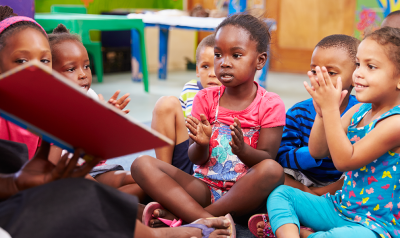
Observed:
{"x":211,"y":73}
{"x":226,"y":63}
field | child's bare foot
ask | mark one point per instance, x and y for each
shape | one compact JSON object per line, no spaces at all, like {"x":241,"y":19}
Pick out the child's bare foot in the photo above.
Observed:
{"x":161,"y":213}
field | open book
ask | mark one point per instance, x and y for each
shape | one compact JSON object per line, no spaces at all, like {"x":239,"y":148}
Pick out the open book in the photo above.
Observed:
{"x":49,"y":105}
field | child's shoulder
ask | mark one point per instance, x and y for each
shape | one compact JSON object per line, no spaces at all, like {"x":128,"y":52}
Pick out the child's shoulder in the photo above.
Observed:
{"x":305,"y":106}
{"x":191,"y":85}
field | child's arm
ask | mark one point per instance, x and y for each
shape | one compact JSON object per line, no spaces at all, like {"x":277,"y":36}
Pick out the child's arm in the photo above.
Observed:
{"x":294,"y":151}
{"x":200,"y":133}
{"x":346,"y":156}
{"x":267,"y":146}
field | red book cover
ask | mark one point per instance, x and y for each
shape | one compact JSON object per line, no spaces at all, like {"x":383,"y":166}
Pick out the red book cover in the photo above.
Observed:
{"x":47,"y":104}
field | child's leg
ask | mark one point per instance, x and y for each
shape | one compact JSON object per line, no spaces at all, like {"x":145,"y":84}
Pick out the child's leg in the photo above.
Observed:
{"x":290,"y":181}
{"x":251,"y":191}
{"x":123,"y":181}
{"x":168,"y":119}
{"x":331,"y":188}
{"x":289,"y":207}
{"x":180,"y":193}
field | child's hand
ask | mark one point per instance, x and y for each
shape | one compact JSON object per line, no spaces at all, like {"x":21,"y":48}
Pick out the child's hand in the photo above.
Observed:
{"x":237,"y":143}
{"x":317,"y":108}
{"x":118,"y":103}
{"x":200,"y":131}
{"x":325,"y":95}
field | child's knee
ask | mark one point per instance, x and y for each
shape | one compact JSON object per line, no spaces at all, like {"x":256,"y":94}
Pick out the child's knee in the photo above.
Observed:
{"x":271,"y":172}
{"x":282,"y":192}
{"x":141,"y":163}
{"x":167,"y":104}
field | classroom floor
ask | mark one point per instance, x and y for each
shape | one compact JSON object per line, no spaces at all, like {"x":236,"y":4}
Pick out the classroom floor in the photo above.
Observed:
{"x":288,"y":86}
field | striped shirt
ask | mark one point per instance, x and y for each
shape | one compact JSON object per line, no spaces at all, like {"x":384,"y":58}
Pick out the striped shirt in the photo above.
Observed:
{"x":293,"y":152}
{"x":190,"y":90}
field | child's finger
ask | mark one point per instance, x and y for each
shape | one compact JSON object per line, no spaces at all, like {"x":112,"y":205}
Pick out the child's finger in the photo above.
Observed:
{"x":60,"y":166}
{"x":81,"y":171}
{"x":193,"y":119}
{"x":309,"y":89}
{"x":191,"y":122}
{"x":313,"y":80}
{"x":72,"y":163}
{"x":204,"y":120}
{"x":238,"y":124}
{"x":126,"y":111}
{"x":193,"y":137}
{"x":115,"y":95}
{"x":122,"y":99}
{"x":233,"y":146}
{"x":321,"y":79}
{"x":327,"y":77}
{"x":123,"y":105}
{"x":193,"y":130}
{"x":101,"y":98}
{"x":235,"y":138}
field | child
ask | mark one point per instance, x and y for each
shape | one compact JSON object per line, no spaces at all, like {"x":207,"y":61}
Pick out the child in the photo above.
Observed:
{"x":367,"y":206}
{"x":392,"y":20}
{"x":338,"y":54}
{"x":204,"y":71}
{"x":15,"y":50}
{"x":71,"y":60}
{"x":167,"y":114}
{"x":235,"y":132}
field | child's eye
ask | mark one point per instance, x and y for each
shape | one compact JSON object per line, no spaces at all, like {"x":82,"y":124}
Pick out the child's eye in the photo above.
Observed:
{"x":45,"y":61}
{"x":21,"y":61}
{"x":70,"y":70}
{"x":332,"y":73}
{"x":87,"y":67}
{"x":217,"y":55}
{"x":357,"y":64}
{"x":205,"y":66}
{"x":236,"y":56}
{"x":313,"y":72}
{"x":371,"y":66}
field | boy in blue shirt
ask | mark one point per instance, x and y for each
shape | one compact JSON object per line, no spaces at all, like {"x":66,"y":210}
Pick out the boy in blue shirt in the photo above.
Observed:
{"x":338,"y":54}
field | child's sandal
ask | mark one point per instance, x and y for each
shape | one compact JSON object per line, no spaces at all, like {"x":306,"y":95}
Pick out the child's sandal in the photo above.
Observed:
{"x":255,"y":219}
{"x":148,"y":215}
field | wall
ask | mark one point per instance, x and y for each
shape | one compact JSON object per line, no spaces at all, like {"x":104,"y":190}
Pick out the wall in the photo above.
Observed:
{"x":370,"y":14}
{"x":21,"y":7}
{"x":301,"y":25}
{"x":98,"y":6}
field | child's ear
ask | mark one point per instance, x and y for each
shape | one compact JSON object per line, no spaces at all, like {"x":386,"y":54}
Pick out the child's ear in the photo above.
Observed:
{"x":261,"y":60}
{"x":398,"y":85}
{"x":197,"y":72}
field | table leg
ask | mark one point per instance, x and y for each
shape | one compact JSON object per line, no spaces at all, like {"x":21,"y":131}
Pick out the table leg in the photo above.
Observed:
{"x":163,"y":54}
{"x":136,"y":59}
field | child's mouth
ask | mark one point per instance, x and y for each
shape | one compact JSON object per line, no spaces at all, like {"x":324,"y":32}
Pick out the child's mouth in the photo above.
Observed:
{"x":86,"y":87}
{"x":360,"y":87}
{"x":226,"y":77}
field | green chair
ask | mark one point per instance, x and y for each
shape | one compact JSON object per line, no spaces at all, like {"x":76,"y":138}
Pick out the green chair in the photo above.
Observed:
{"x":93,"y":48}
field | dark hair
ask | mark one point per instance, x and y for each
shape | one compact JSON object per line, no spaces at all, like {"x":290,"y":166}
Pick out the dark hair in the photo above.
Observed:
{"x":395,"y":13}
{"x":344,"y":42}
{"x":208,"y":41}
{"x":6,"y":12}
{"x":257,"y":28}
{"x":60,"y":34}
{"x":388,"y":37}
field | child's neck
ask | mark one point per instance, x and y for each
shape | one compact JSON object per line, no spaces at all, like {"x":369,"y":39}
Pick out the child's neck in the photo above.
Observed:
{"x":240,"y":97}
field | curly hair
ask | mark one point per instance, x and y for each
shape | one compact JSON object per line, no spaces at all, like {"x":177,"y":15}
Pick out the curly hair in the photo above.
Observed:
{"x":257,"y":28}
{"x":345,"y":42}
{"x":389,"y":38}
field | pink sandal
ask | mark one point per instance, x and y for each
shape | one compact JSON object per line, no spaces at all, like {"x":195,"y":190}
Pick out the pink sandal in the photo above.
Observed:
{"x":255,"y":219}
{"x":148,"y":215}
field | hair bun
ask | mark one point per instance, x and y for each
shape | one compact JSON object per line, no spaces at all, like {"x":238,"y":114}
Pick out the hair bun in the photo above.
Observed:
{"x":60,"y":29}
{"x":6,"y":12}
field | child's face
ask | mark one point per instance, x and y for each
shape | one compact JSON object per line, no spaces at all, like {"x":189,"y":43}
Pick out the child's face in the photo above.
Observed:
{"x":24,"y":46}
{"x":376,"y":79}
{"x":235,"y":56}
{"x":338,"y":63}
{"x":205,"y":68}
{"x":72,"y":61}
{"x":392,"y":21}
